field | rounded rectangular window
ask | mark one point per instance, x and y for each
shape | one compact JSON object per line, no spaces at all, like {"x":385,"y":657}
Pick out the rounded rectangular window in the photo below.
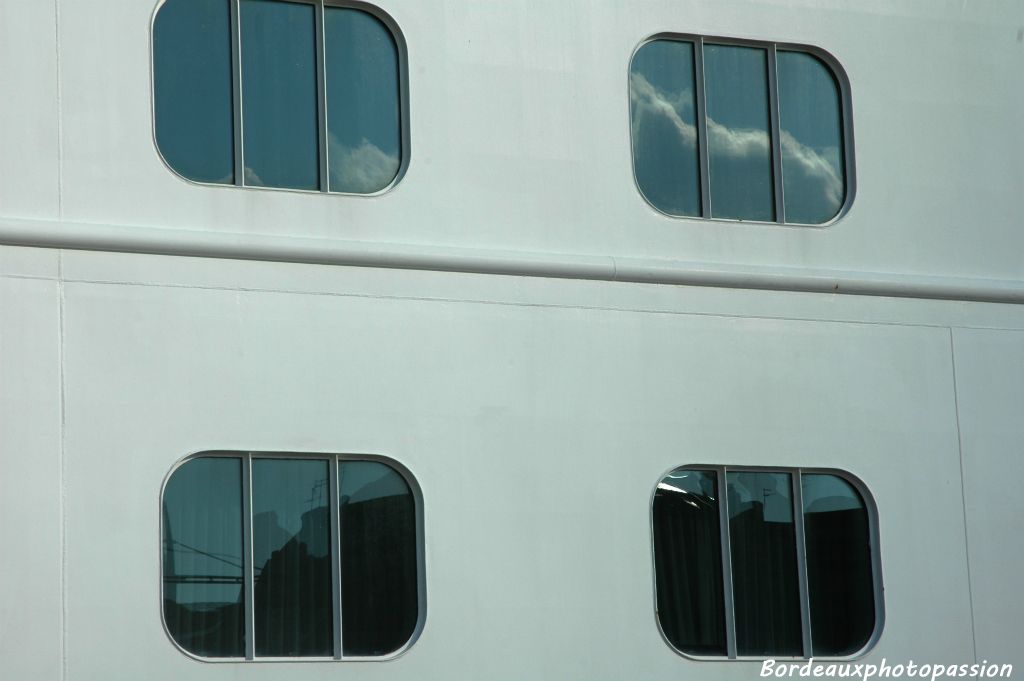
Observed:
{"x":271,"y":556}
{"x":289,"y":94}
{"x":740,"y":130}
{"x":784,"y":563}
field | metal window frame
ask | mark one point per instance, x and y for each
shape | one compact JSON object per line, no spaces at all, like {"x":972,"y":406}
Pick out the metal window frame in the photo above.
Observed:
{"x":238,"y":119}
{"x":334,"y":461}
{"x":796,"y":477}
{"x":703,"y":152}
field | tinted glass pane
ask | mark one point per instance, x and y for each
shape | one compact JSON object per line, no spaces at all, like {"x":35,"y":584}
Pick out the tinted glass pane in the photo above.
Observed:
{"x":279,"y":99}
{"x":664,"y":130}
{"x":736,"y":94}
{"x":378,"y":558}
{"x":688,"y":562}
{"x":203,"y":596}
{"x":839,"y":582}
{"x":291,"y":527}
{"x":764,"y":570}
{"x":192,"y":88}
{"x":363,"y":125}
{"x":812,"y":138}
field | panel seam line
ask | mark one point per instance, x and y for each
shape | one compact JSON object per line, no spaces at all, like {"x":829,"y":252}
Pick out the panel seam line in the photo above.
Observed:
{"x":963,"y":494}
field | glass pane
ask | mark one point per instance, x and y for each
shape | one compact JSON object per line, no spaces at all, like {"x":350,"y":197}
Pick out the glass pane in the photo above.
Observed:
{"x":192,"y":89}
{"x":279,"y":96}
{"x":812,"y":138}
{"x":839,"y":582}
{"x":202,"y":524}
{"x":291,"y":526}
{"x":378,"y":558}
{"x":736,"y":93}
{"x":688,"y":562}
{"x":766,"y":592}
{"x":363,"y":125}
{"x":662,"y":103}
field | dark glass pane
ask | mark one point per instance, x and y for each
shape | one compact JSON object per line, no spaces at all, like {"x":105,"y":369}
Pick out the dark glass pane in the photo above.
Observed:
{"x":291,"y":526}
{"x":812,"y":138}
{"x":363,"y":124}
{"x":662,"y":103}
{"x":766,"y":592}
{"x":378,"y":558}
{"x":203,"y":595}
{"x":839,"y":581}
{"x":688,"y":562}
{"x":279,"y":97}
{"x":192,"y":88}
{"x":736,"y":89}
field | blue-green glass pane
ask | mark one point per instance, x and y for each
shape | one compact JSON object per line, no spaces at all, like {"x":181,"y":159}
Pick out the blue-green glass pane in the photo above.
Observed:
{"x":688,"y":562}
{"x":379,"y":593}
{"x":363,"y":115}
{"x":192,"y":89}
{"x":840,"y":586}
{"x":279,"y":96}
{"x":291,"y":523}
{"x":812,"y":138}
{"x":762,"y":536}
{"x":662,"y":100}
{"x":202,"y":534}
{"x":740,"y":159}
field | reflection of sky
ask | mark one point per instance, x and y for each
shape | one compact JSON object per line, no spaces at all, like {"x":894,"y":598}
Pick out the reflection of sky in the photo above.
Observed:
{"x":279,"y":101}
{"x":823,"y":493}
{"x":288,"y":498}
{"x":203,"y":528}
{"x":664,"y":132}
{"x":663,"y":126}
{"x":363,"y":125}
{"x":366,"y":480}
{"x":192,"y":89}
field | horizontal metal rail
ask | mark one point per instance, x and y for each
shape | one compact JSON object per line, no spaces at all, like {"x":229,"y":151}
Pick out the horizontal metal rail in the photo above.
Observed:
{"x":201,"y":244}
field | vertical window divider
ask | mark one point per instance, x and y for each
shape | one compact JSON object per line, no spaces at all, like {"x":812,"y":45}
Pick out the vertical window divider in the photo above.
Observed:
{"x":321,"y":86}
{"x":247,"y":558}
{"x":333,"y":489}
{"x":723,"y":522}
{"x":776,"y":141}
{"x":801,"y":561}
{"x":702,"y":129}
{"x":236,"y":91}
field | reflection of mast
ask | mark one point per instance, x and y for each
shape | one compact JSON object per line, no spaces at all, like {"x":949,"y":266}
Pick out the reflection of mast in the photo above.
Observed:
{"x":317,"y":493}
{"x":170,"y":571}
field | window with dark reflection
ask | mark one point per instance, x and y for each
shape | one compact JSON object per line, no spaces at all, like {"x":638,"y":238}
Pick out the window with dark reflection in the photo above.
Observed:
{"x":739,"y":130}
{"x":363,"y":123}
{"x":810,"y":118}
{"x":202,"y":572}
{"x":663,"y":103}
{"x":291,"y":556}
{"x":738,"y":124}
{"x":279,"y":98}
{"x":380,"y":603}
{"x":762,"y":536}
{"x":688,"y":562}
{"x":783,"y":564}
{"x":277,"y":556}
{"x":840,"y":586}
{"x":292,"y":94}
{"x":192,"y":89}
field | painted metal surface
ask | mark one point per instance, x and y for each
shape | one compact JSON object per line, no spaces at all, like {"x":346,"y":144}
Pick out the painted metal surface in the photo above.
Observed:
{"x":536,"y":395}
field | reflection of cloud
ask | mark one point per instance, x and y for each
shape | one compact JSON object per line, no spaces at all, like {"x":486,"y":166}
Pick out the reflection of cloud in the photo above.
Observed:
{"x":648,"y":100}
{"x":812,"y":172}
{"x":363,"y":169}
{"x":252,"y":179}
